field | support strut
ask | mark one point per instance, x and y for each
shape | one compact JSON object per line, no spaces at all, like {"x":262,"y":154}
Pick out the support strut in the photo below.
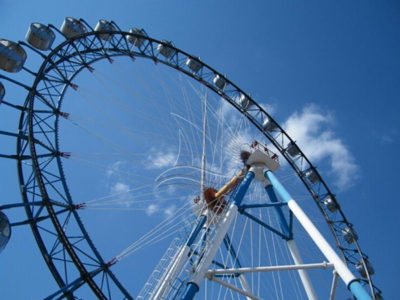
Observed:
{"x":347,"y":276}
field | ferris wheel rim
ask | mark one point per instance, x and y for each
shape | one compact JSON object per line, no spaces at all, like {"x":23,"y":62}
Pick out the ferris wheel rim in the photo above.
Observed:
{"x":29,"y":102}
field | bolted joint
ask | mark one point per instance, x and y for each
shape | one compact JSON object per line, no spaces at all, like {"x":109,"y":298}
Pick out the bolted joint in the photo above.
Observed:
{"x":80,"y":205}
{"x":112,"y":262}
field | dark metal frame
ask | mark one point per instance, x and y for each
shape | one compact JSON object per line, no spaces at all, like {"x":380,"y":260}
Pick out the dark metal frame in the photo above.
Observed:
{"x":38,"y":155}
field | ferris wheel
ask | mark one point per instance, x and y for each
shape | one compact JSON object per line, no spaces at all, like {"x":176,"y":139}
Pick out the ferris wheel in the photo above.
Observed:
{"x":163,"y":179}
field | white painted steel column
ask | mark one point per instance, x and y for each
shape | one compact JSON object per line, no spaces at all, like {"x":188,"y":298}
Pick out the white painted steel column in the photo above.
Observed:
{"x":332,"y":294}
{"x":323,"y":265}
{"x":234,"y":288}
{"x":245,"y":286}
{"x":340,"y":267}
{"x":195,"y":282}
{"x":167,"y":281}
{"x":305,"y":279}
{"x":322,"y":244}
{"x":214,"y":245}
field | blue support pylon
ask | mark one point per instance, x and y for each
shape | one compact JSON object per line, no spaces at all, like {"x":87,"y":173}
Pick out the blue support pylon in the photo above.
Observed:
{"x":193,"y":285}
{"x":351,"y":281}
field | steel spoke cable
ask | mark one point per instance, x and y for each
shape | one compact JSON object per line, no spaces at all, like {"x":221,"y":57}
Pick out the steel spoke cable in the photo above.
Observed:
{"x":273,"y":241}
{"x":251,"y":253}
{"x":188,"y":108}
{"x":215,"y":158}
{"x":151,"y":241}
{"x":259,"y":255}
{"x":270,"y":262}
{"x":117,"y":194}
{"x":294,"y":277}
{"x":181,"y":211}
{"x":128,"y":201}
{"x":115,"y":99}
{"x":157,"y":229}
{"x":97,"y":136}
{"x":121,"y":129}
{"x":105,"y":169}
{"x":148,"y":242}
{"x":116,"y":124}
{"x":157,"y":107}
{"x":195,"y":168}
{"x":76,"y":119}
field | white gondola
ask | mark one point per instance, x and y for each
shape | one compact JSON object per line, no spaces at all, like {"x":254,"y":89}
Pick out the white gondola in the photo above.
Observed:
{"x":220,"y":82}
{"x":40,"y":36}
{"x":360,"y":268}
{"x":330,"y":204}
{"x":72,"y":27}
{"x":165,"y":49}
{"x":103,"y":25}
{"x":349,"y":235}
{"x":193,"y":64}
{"x":12,"y":56}
{"x":244,"y":102}
{"x":135,"y":40}
{"x":269,"y":125}
{"x":5,"y":230}
{"x":312,"y":175}
{"x":292,"y":149}
{"x":2,"y":92}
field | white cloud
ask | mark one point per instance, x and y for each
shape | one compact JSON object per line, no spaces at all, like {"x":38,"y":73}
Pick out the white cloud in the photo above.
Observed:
{"x":121,"y":191}
{"x":310,"y":129}
{"x":120,"y":187}
{"x":114,"y":168}
{"x":269,"y":108}
{"x":388,"y":137}
{"x":151,"y":209}
{"x":161,"y":159}
{"x":170,"y":210}
{"x":154,"y":208}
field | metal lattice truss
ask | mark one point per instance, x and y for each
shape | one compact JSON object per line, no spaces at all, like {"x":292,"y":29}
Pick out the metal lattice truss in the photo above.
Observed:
{"x":51,"y":212}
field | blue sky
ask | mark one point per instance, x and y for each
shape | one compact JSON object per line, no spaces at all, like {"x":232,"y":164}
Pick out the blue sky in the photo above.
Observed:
{"x":330,"y":68}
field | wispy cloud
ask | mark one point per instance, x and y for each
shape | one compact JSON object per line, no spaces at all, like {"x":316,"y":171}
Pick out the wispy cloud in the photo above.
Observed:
{"x":114,"y":169}
{"x":155,"y":209}
{"x":158,"y":159}
{"x":170,"y":210}
{"x":117,"y":183}
{"x":121,"y":192}
{"x":269,"y":108}
{"x":151,"y":209}
{"x":388,"y":137}
{"x":311,"y":128}
{"x":120,"y":187}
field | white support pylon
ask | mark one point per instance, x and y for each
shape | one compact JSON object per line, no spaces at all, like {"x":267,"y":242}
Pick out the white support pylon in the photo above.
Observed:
{"x":347,"y":276}
{"x":197,"y":277}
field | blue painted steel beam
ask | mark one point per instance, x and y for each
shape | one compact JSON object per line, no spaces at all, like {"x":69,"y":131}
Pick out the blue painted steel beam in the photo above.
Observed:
{"x":278,"y":204}
{"x":244,"y":185}
{"x":258,"y":221}
{"x":196,"y":230}
{"x":282,"y":220}
{"x":231,"y":249}
{"x":13,"y":205}
{"x":191,"y":290}
{"x":278,"y":186}
{"x":354,"y":286}
{"x":192,"y":287}
{"x":357,"y":289}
